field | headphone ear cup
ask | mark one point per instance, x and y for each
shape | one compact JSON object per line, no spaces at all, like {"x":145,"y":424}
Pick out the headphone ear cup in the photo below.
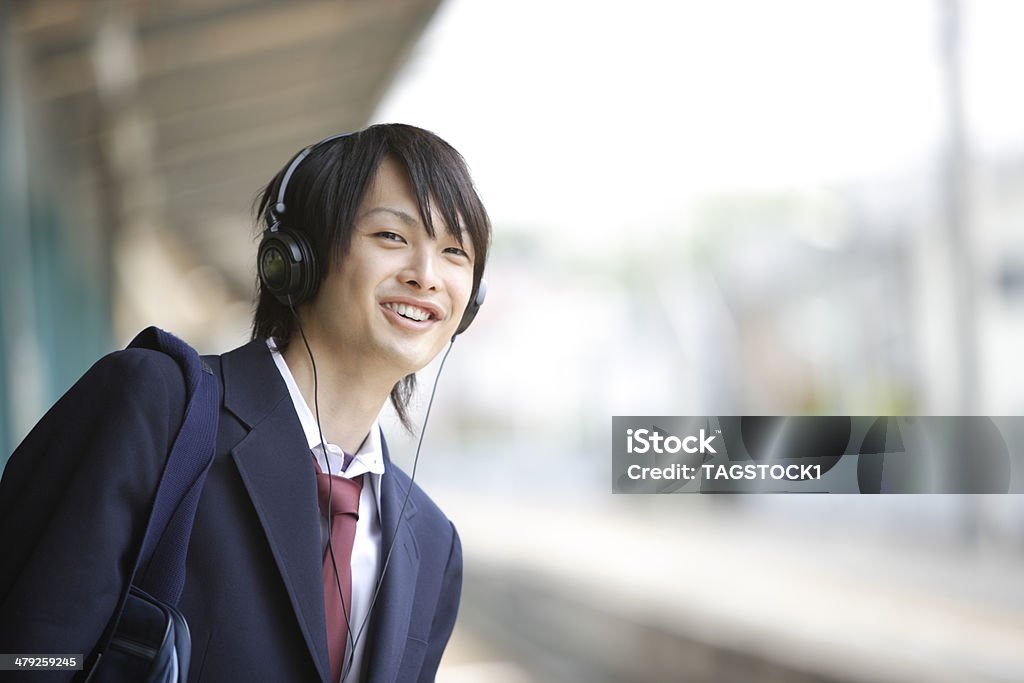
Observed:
{"x":287,"y":266}
{"x":473,"y":308}
{"x":309,"y":271}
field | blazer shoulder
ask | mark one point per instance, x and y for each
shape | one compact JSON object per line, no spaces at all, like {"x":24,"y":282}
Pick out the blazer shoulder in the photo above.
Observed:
{"x":426,"y":507}
{"x":138,"y":365}
{"x":125,"y":390}
{"x":142,"y":376}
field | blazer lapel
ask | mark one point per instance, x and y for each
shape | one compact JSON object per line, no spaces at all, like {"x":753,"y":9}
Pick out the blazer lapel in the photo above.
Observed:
{"x":278,"y":473}
{"x":391,"y":613}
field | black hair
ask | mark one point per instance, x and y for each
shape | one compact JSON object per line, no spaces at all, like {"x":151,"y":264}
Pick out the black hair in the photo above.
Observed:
{"x":324,"y":194}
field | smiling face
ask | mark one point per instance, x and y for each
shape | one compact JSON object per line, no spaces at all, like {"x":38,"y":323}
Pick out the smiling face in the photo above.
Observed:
{"x":398,"y":295}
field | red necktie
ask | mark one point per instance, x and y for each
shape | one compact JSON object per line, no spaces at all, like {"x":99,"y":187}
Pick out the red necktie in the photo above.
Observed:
{"x":344,"y":497}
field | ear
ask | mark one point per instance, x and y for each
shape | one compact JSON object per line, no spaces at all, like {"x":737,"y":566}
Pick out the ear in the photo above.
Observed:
{"x":472,"y":309}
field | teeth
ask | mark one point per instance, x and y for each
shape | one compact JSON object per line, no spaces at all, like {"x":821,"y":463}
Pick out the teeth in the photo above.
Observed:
{"x":408,"y":311}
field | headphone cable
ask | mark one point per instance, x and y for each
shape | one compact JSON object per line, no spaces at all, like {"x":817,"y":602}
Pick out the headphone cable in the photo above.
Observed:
{"x":330,"y":483}
{"x":412,"y":479}
{"x":350,"y":659}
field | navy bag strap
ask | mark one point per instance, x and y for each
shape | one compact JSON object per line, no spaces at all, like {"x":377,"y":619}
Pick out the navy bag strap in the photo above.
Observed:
{"x":170,"y":524}
{"x":160,"y":566}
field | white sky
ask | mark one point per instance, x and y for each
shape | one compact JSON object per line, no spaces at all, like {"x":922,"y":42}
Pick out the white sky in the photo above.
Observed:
{"x":603,"y":114}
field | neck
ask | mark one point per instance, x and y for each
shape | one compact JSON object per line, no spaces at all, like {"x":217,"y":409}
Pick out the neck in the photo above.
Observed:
{"x":349,"y":397}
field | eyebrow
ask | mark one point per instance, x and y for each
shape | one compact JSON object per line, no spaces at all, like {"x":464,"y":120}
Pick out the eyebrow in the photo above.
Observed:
{"x":405,"y":217}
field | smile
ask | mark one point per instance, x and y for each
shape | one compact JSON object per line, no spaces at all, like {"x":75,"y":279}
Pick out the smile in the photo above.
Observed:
{"x":411,"y":312}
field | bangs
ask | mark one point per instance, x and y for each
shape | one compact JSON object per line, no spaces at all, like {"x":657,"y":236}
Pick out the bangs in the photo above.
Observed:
{"x":438,"y":174}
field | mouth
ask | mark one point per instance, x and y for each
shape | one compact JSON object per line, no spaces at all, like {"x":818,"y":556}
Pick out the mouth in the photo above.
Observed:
{"x":413,"y":312}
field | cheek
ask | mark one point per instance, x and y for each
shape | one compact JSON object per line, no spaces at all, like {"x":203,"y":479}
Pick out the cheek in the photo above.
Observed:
{"x":342,"y":299}
{"x":467,"y":291}
{"x":356,"y":284}
{"x":463,"y":287}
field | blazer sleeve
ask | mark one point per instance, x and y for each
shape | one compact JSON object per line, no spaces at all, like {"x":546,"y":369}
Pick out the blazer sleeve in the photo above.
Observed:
{"x":74,"y":502}
{"x":447,"y":610}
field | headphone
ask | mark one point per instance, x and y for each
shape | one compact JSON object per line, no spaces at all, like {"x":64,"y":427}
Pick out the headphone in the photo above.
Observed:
{"x":287,"y":264}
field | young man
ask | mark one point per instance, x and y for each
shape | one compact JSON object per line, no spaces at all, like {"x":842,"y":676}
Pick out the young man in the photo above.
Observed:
{"x":373,"y":255}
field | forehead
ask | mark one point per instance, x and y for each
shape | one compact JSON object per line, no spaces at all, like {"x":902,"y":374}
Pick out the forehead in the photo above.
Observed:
{"x":390,"y":183}
{"x":391,"y":194}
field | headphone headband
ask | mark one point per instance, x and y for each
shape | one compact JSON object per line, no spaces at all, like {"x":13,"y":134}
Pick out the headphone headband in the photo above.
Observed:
{"x":278,"y":209}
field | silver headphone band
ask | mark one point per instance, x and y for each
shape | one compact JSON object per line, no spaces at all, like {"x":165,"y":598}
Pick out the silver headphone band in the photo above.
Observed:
{"x":279,"y":208}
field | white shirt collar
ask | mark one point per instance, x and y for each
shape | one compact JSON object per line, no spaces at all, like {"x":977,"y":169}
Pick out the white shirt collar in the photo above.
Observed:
{"x":369,"y":457}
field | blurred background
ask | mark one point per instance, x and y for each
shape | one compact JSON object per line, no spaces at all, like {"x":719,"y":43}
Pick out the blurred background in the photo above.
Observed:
{"x":700,"y":208}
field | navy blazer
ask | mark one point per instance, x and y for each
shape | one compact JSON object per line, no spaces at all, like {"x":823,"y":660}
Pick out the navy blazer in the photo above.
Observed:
{"x":73,"y":505}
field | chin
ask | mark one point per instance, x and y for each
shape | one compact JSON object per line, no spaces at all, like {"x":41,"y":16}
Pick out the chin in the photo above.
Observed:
{"x":412,"y":355}
{"x":410,"y":362}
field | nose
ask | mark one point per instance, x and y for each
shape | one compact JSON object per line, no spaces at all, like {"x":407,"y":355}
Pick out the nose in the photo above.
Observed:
{"x":421,"y":270}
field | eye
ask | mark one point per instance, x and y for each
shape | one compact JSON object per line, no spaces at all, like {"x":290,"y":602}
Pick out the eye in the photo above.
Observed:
{"x":458,"y":251}
{"x":390,"y":236}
